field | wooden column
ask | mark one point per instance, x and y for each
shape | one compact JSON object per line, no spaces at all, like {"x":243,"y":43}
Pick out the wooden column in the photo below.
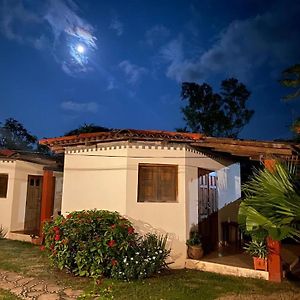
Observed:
{"x":274,"y":247}
{"x":47,"y":197}
{"x":274,"y":260}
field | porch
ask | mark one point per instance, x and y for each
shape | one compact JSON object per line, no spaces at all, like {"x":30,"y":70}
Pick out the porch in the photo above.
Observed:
{"x":233,"y":261}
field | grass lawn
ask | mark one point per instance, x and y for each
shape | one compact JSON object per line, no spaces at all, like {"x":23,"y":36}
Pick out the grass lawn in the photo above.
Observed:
{"x":28,"y":260}
{"x":4,"y":295}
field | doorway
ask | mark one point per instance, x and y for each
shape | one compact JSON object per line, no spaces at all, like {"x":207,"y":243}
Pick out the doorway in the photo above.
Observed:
{"x":33,"y":205}
{"x":208,"y":209}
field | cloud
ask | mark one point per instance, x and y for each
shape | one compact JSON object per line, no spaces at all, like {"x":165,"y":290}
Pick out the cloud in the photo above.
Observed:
{"x":117,"y":26}
{"x":14,"y":12}
{"x":54,"y":25}
{"x":270,"y":39}
{"x":180,"y":68}
{"x":133,"y":72}
{"x":156,"y":34}
{"x":90,"y":107}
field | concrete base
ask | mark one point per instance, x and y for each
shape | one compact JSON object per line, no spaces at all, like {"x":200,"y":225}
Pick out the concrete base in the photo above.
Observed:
{"x":19,"y":237}
{"x":225,"y":270}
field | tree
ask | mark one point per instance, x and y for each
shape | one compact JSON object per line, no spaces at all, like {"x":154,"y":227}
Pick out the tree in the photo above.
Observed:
{"x":87,"y":128}
{"x":291,"y":79}
{"x":13,"y":135}
{"x":221,"y":114}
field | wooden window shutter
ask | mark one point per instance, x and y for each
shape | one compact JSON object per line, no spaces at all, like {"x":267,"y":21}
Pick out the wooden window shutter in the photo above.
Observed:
{"x":167,"y":188}
{"x":3,"y":185}
{"x":147,"y":184}
{"x":157,"y":183}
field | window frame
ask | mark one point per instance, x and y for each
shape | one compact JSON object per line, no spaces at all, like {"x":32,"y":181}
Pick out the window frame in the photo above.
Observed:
{"x":4,"y":175}
{"x":158,"y":197}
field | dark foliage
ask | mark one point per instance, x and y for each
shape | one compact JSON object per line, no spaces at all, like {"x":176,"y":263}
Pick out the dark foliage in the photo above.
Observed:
{"x":221,"y":114}
{"x":87,"y":128}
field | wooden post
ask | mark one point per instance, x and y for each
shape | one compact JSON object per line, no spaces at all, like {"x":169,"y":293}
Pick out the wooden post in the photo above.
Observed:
{"x":274,"y":260}
{"x":47,"y":197}
{"x":274,"y":247}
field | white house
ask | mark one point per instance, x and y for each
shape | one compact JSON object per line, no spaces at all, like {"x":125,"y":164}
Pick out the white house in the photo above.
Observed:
{"x":162,"y":181}
{"x":22,"y":187}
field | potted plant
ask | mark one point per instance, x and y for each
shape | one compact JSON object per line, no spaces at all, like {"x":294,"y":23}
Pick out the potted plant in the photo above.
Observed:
{"x":195,"y":250}
{"x":258,"y":250}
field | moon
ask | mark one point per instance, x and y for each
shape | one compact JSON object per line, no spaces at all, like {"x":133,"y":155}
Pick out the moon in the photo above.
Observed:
{"x":80,"y":49}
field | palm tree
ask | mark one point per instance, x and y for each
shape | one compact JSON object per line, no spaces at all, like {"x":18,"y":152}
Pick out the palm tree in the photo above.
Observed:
{"x":272,"y":204}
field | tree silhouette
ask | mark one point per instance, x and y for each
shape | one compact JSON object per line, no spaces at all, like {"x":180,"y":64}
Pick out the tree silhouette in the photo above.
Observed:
{"x":13,"y":135}
{"x":221,"y":114}
{"x":87,"y":128}
{"x":291,"y":79}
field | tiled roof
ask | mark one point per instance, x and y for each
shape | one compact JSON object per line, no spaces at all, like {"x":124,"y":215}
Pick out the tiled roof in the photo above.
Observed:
{"x":7,"y":152}
{"x":218,"y":145}
{"x":30,"y":156}
{"x":124,"y":134}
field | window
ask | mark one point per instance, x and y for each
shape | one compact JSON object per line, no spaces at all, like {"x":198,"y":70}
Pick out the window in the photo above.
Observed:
{"x":3,"y":185}
{"x":157,"y":183}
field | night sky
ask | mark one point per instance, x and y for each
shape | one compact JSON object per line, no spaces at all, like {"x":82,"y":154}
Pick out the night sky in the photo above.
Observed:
{"x":120,"y":64}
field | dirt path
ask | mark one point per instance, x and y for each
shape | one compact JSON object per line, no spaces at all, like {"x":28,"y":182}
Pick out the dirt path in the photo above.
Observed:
{"x":32,"y":288}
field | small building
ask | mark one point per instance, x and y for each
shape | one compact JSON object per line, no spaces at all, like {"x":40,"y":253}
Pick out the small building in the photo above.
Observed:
{"x":22,"y":187}
{"x":164,"y":182}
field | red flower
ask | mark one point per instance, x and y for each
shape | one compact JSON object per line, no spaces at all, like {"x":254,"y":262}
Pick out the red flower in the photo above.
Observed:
{"x":130,"y":230}
{"x":52,"y":246}
{"x":55,"y":228}
{"x":42,"y":248}
{"x":57,"y":237}
{"x":113,"y":226}
{"x":114,"y":262}
{"x":69,"y":216}
{"x":111,"y":243}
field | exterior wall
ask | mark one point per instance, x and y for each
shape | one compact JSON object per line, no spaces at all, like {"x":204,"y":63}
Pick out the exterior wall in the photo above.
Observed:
{"x":229,"y":191}
{"x":58,"y":192}
{"x":229,"y":184}
{"x":95,"y":178}
{"x":195,"y":160}
{"x":7,"y":167}
{"x":162,"y":217}
{"x":22,"y":170}
{"x":106,"y":177}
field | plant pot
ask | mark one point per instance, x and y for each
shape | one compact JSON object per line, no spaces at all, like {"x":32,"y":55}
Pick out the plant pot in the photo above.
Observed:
{"x":260,"y":263}
{"x":195,"y":252}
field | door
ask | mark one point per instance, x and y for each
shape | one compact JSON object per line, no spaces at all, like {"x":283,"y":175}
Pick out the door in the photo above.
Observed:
{"x":33,"y":204}
{"x":208,"y":209}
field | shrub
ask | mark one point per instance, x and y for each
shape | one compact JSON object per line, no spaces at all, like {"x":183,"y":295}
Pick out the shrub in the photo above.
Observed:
{"x":147,"y":257}
{"x":97,"y":242}
{"x":88,"y":243}
{"x":257,"y":249}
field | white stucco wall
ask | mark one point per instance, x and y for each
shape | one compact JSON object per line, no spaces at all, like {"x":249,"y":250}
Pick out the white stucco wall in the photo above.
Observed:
{"x":57,"y":192}
{"x":95,"y":178}
{"x":12,"y":208}
{"x":229,"y":184}
{"x":22,"y":170}
{"x":106,"y":177}
{"x":229,"y":191}
{"x":7,"y":167}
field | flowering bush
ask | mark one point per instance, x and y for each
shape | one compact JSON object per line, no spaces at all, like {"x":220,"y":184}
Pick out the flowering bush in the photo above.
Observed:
{"x":88,"y":243}
{"x":146,"y":258}
{"x":98,"y":242}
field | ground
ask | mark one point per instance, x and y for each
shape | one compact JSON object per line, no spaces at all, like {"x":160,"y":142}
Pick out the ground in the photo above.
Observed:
{"x":28,"y":260}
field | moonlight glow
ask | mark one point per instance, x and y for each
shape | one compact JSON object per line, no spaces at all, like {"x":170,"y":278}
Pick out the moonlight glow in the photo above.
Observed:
{"x":80,"y":49}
